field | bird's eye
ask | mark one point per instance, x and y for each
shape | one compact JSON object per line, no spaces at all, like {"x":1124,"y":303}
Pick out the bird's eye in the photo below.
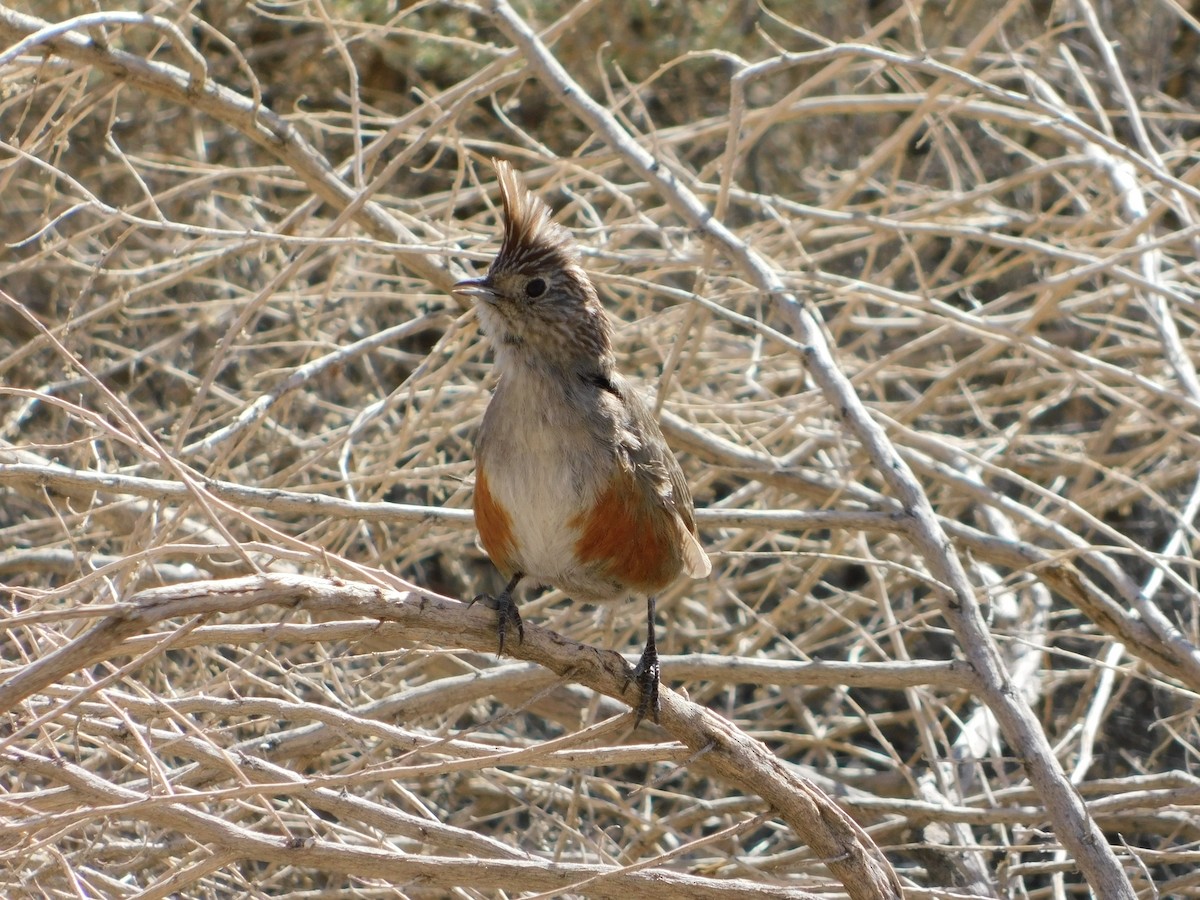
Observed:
{"x":535,"y":288}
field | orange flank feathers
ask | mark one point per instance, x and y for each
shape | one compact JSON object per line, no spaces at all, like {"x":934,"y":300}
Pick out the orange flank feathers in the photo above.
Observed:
{"x":636,"y":541}
{"x":494,"y":526}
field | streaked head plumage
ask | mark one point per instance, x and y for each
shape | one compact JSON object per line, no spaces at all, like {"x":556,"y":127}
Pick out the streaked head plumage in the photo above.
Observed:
{"x":532,"y":241}
{"x":536,"y":302}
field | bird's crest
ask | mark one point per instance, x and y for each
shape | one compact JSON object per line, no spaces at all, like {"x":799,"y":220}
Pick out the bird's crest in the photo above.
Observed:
{"x":531,"y":241}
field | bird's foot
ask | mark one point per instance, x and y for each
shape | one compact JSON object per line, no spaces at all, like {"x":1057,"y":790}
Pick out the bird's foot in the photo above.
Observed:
{"x":646,"y":675}
{"x":506,"y":615}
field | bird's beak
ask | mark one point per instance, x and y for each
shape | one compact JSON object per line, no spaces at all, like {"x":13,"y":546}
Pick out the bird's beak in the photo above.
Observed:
{"x":476,"y":288}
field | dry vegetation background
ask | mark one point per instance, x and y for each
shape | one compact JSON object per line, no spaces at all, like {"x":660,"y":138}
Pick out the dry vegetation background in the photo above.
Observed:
{"x":227,"y":350}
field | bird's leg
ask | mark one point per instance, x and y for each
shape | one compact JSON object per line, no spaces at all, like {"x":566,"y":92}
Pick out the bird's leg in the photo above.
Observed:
{"x":506,"y":610}
{"x":646,"y":673}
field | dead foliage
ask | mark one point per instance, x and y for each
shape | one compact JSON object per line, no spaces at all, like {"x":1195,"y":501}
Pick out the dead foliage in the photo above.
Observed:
{"x":954,"y":562}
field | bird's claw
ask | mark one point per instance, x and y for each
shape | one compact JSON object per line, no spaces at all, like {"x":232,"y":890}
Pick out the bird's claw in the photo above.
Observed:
{"x":506,"y":615}
{"x":646,"y":675}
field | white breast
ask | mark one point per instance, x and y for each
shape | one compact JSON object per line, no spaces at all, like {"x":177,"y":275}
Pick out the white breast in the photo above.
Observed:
{"x":545,"y":467}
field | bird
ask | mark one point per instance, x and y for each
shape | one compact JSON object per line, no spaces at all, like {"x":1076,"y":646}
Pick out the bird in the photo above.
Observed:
{"x":575,"y":486}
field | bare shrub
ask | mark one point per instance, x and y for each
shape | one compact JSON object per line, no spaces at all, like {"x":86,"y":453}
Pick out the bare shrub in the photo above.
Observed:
{"x":917,"y":299}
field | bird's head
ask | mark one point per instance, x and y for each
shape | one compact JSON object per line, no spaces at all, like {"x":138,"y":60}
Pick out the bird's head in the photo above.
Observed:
{"x":536,"y":303}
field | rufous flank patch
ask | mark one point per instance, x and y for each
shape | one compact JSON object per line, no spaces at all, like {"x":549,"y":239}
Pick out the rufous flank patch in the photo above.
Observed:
{"x":493,"y":524}
{"x":636,"y":540}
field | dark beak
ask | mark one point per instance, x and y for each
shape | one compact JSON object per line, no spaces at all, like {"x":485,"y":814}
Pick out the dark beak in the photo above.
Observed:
{"x":475,"y":288}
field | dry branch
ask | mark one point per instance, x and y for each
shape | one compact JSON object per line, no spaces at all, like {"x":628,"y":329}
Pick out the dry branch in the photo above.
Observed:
{"x":818,"y":822}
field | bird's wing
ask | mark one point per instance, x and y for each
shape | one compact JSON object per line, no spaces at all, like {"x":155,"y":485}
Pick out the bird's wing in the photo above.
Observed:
{"x":653,"y":461}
